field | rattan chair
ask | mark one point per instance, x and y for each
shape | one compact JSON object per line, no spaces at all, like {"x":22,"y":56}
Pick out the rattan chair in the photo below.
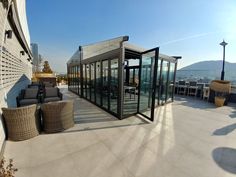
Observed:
{"x":21,"y":123}
{"x":57,"y":116}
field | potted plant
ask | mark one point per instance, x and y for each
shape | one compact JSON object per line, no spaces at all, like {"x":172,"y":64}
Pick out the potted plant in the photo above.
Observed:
{"x":7,"y":170}
{"x":220,"y":98}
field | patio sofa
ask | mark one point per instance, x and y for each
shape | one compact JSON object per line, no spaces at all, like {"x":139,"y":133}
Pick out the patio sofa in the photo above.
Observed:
{"x":51,"y":94}
{"x":27,"y":97}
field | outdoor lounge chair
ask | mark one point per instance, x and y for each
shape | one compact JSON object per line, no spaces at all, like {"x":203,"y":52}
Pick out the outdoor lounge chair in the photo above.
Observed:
{"x":51,"y":94}
{"x":192,"y":88}
{"x":27,"y":97}
{"x":182,"y":87}
{"x":57,"y":116}
{"x":21,"y":123}
{"x":48,"y":84}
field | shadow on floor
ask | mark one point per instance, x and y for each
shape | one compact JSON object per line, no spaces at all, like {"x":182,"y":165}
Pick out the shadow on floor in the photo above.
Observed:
{"x":194,"y":102}
{"x":88,"y":116}
{"x":233,"y":114}
{"x":225,"y":130}
{"x":225,"y":158}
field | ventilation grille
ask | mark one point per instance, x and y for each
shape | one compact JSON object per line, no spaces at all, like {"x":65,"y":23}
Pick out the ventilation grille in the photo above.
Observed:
{"x":12,"y":68}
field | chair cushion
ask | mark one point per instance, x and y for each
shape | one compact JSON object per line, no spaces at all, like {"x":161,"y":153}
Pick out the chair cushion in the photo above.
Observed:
{"x":51,"y":92}
{"x":31,"y":93}
{"x":51,"y":99}
{"x":25,"y":102}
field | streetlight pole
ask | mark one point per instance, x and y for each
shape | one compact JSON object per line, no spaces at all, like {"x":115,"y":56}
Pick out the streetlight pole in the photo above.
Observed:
{"x":223,"y":68}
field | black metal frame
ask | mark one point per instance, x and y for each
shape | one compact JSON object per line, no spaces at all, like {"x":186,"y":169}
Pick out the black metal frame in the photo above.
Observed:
{"x":154,"y":79}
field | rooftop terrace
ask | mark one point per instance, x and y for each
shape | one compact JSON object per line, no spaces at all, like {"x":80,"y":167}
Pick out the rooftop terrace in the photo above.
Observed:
{"x":189,"y":138}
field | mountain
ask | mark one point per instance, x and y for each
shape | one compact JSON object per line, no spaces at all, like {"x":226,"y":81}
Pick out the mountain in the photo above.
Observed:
{"x":207,"y":70}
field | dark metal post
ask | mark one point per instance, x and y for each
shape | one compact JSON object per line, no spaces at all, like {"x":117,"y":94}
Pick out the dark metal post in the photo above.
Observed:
{"x":223,"y":68}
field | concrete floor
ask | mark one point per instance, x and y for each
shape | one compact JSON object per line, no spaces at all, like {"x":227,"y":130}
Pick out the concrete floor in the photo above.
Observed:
{"x":189,"y":138}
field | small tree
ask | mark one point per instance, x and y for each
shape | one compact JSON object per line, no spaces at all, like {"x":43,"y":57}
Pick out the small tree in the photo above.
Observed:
{"x":46,"y":67}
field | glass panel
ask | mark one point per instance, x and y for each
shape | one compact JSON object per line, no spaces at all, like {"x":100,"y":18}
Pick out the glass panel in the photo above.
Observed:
{"x":78,"y":76}
{"x":88,"y":81}
{"x":146,"y":83}
{"x":131,"y":76}
{"x":164,"y":79}
{"x":158,"y":83}
{"x":84,"y":81}
{"x":73,"y":78}
{"x":92,"y":81}
{"x":105,"y":86}
{"x":114,"y":85}
{"x":171,"y":82}
{"x":98,"y":83}
{"x":131,"y":91}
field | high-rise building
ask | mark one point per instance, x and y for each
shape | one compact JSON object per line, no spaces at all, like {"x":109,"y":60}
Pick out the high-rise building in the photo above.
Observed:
{"x":35,"y":53}
{"x":15,"y":54}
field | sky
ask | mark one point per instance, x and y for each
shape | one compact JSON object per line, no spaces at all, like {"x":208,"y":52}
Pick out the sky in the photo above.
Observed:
{"x":187,"y":28}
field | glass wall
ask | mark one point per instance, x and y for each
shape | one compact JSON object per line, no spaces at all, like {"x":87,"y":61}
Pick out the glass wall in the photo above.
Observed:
{"x":78,"y":81}
{"x":88,"y":81}
{"x":105,"y":84}
{"x":163,"y":81}
{"x":99,"y":83}
{"x":73,"y":79}
{"x":92,"y":81}
{"x":84,"y":81}
{"x":114,"y":86}
{"x":170,"y":84}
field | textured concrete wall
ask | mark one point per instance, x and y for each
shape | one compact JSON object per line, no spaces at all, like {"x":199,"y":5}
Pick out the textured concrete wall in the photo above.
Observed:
{"x":15,"y":69}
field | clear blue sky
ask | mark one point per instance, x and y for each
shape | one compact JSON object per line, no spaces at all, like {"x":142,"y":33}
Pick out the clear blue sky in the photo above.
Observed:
{"x":189,"y":28}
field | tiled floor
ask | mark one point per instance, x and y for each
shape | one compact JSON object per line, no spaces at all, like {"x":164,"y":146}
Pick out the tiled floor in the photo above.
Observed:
{"x":189,"y":138}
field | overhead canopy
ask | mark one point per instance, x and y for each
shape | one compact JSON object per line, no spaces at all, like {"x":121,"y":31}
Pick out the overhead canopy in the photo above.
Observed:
{"x":87,"y":52}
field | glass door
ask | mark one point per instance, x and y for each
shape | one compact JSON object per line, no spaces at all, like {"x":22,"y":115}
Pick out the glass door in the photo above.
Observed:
{"x":164,"y":81}
{"x":147,"y":83}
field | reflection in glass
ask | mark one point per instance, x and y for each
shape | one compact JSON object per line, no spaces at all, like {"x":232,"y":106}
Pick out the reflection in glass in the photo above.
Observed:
{"x":163,"y":83}
{"x":171,"y":82}
{"x":146,"y":82}
{"x":84,"y":81}
{"x":88,"y":81}
{"x":78,"y":81}
{"x":114,"y":85}
{"x":105,"y":84}
{"x":92,"y":81}
{"x":131,"y":81}
{"x":98,"y":83}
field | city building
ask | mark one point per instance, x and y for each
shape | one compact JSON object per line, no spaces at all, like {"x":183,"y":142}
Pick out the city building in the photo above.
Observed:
{"x":37,"y":58}
{"x":35,"y":53}
{"x":15,"y":54}
{"x":122,"y":78}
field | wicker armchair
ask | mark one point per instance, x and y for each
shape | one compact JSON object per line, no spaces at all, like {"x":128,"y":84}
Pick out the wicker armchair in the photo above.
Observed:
{"x":27,"y":97}
{"x":57,"y":116}
{"x":51,"y":94}
{"x":21,"y":123}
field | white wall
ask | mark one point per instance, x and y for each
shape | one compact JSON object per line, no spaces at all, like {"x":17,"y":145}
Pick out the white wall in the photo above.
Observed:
{"x":21,"y":8}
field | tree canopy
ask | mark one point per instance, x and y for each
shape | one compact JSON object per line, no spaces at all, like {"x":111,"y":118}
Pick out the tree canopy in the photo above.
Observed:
{"x":46,"y":67}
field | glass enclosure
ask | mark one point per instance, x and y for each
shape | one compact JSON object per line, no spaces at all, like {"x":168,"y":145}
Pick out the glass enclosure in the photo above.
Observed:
{"x":134,"y":84}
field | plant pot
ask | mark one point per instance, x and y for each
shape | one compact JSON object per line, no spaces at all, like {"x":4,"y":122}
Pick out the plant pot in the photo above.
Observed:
{"x":219,"y":101}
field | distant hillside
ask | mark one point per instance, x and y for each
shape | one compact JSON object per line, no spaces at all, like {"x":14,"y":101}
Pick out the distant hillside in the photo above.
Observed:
{"x":207,"y":70}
